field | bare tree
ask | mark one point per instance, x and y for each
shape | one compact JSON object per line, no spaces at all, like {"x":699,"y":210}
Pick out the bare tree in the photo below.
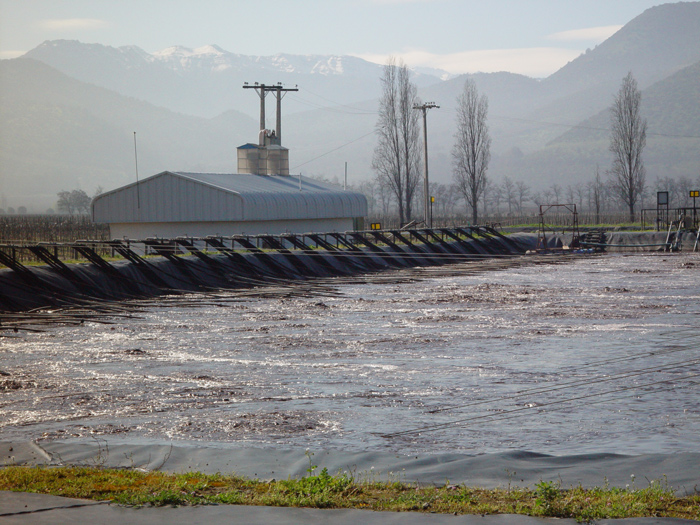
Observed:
{"x":493,"y":196}
{"x":385,"y":195}
{"x":76,"y":201}
{"x":523,"y":191}
{"x":580,"y":193}
{"x":486,"y":200}
{"x":627,"y":140}
{"x":570,"y":194}
{"x":397,"y":155}
{"x":556,"y":191}
{"x":684,"y":185}
{"x":509,"y":193}
{"x":537,"y":198}
{"x":65,"y":203}
{"x":446,"y":198}
{"x":597,"y":189}
{"x":472,"y":150}
{"x":410,"y":132}
{"x":548,"y":197}
{"x":369,"y":190}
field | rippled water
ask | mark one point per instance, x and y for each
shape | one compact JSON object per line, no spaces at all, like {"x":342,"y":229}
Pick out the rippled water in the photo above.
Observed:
{"x":598,"y":354}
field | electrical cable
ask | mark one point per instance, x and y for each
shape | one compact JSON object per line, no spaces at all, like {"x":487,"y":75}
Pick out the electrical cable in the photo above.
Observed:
{"x":591,"y":128}
{"x":333,"y":109}
{"x":334,"y":149}
{"x":354,"y":110}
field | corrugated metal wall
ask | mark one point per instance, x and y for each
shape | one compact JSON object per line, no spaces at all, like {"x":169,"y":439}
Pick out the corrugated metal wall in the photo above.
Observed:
{"x":191,"y":197}
{"x":202,"y":229}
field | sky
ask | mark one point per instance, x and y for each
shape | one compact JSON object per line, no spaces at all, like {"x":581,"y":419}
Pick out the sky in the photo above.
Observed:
{"x":530,"y":37}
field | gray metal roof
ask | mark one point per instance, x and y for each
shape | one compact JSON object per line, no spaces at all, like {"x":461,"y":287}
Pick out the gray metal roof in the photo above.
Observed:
{"x":186,"y":197}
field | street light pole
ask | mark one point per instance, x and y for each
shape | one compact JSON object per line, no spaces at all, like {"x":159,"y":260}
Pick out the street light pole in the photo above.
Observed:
{"x":426,"y":186}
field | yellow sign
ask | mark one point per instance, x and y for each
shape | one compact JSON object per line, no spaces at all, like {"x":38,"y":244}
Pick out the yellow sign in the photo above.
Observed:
{"x":376,"y":226}
{"x":694,"y":193}
{"x":432,"y":199}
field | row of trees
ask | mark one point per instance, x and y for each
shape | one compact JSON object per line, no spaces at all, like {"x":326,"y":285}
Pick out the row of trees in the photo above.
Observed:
{"x":397,"y":159}
{"x":397,"y":156}
{"x":513,"y":198}
{"x":75,"y":202}
{"x":21,"y":210}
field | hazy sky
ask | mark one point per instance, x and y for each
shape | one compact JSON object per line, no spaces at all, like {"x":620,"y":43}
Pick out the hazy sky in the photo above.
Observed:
{"x":533,"y":37}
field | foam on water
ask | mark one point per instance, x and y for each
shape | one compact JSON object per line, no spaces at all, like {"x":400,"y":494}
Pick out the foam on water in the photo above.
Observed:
{"x":522,"y":353}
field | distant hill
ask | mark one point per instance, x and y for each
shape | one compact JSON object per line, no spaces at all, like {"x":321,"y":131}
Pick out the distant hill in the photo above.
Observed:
{"x":207,"y":81}
{"x":673,"y":136}
{"x":654,"y":45}
{"x":69,"y":111}
{"x":59,"y":133}
{"x":671,"y":107}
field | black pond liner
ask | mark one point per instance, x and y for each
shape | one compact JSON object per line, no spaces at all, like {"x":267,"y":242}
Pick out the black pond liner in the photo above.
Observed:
{"x":91,"y":285}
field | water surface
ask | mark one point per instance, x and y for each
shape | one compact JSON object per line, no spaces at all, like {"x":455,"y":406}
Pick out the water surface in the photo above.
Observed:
{"x":596,"y":355}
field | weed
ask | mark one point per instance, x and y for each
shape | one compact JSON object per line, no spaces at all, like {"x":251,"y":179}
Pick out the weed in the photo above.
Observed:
{"x":547,"y":494}
{"x":324,"y":490}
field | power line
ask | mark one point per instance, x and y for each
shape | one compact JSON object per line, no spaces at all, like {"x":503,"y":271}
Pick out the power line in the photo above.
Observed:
{"x":591,"y":128}
{"x":334,"y":149}
{"x":359,"y":111}
{"x":337,"y":103}
{"x":577,"y":126}
{"x":332,"y":109}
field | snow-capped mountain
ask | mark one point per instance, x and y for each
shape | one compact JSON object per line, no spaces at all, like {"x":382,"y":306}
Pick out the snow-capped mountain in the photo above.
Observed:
{"x":215,"y":59}
{"x":207,"y":80}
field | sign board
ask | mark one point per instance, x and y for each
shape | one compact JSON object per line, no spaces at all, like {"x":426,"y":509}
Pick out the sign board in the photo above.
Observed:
{"x":432,"y":199}
{"x":694,"y":193}
{"x":376,"y":226}
{"x":662,"y":198}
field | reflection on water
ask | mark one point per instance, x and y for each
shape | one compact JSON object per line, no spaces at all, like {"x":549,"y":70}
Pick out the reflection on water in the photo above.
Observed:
{"x":594,"y":355}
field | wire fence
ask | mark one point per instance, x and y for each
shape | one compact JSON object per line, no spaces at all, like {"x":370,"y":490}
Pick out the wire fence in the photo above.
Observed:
{"x":558,"y":220}
{"x":31,"y":229}
{"x":50,"y":228}
{"x":56,"y":229}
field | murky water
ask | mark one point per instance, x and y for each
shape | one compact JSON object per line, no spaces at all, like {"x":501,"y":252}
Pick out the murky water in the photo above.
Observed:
{"x":598,"y":354}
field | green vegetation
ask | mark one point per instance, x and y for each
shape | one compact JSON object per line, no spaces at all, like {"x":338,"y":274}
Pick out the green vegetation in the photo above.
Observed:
{"x":344,"y":490}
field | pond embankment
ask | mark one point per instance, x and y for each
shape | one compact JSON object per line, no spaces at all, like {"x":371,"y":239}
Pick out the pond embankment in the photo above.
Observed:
{"x":183,"y":266}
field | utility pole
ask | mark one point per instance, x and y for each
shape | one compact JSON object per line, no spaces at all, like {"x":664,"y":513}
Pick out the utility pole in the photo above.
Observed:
{"x":426,"y":187}
{"x":262,"y":90}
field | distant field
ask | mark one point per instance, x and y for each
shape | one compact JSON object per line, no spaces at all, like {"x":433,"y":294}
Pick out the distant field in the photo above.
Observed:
{"x":50,"y":228}
{"x":23,"y":229}
{"x":28,"y":229}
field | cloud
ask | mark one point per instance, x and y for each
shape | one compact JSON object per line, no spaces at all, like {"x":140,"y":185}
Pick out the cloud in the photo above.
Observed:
{"x":534,"y":62}
{"x":594,"y":34}
{"x":401,"y":1}
{"x":10,"y":53}
{"x":72,"y":24}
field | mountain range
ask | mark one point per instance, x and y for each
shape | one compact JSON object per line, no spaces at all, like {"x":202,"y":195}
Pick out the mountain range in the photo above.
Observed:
{"x":69,"y":111}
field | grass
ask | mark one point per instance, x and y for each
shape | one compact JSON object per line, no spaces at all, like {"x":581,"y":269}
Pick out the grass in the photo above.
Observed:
{"x":138,"y":488}
{"x":636,"y":226}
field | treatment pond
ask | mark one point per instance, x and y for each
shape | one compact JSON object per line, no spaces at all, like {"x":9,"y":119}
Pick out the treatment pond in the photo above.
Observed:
{"x":593,"y":354}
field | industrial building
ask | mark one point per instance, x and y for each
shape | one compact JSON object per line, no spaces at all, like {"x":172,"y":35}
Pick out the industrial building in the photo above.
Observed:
{"x":262,"y":197}
{"x":173,"y":204}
